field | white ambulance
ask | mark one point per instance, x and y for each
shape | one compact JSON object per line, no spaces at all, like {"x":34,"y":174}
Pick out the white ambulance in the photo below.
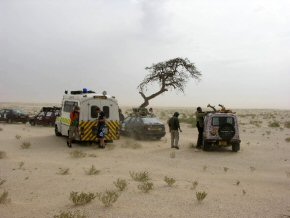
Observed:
{"x":88,"y":101}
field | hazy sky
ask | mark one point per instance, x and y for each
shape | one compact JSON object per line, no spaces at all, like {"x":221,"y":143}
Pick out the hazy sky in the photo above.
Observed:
{"x":242,"y":48}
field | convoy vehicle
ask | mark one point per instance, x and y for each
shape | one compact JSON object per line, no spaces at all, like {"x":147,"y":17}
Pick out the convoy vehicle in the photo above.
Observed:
{"x":13,"y":115}
{"x":45,"y":117}
{"x":142,"y":125}
{"x":221,"y":129}
{"x":88,"y":101}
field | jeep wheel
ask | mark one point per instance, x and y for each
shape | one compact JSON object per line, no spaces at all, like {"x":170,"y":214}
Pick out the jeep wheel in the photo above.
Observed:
{"x":57,"y":133}
{"x":236,"y":147}
{"x":206,"y":146}
{"x":226,"y":131}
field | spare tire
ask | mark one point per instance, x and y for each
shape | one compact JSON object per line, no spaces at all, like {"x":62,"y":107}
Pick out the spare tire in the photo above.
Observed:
{"x":226,"y":131}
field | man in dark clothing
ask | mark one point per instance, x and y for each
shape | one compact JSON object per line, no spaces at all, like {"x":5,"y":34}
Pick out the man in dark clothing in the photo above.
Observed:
{"x":101,"y":127}
{"x":121,"y":116}
{"x":174,"y":129}
{"x":199,"y":124}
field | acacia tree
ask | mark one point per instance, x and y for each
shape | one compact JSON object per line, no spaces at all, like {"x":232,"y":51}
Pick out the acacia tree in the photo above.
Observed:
{"x":171,"y":74}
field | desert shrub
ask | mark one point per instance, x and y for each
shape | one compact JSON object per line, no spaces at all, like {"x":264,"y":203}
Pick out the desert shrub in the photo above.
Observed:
{"x":20,"y":165}
{"x":200,"y":196}
{"x":4,"y":198}
{"x":172,"y":154}
{"x":82,"y":198}
{"x":238,"y":182}
{"x":77,"y":154}
{"x":92,"y":171}
{"x":75,"y":214}
{"x":274,"y":124}
{"x":287,"y":139}
{"x":63,"y":171}
{"x":2,"y":181}
{"x":256,"y":123}
{"x":121,"y":184}
{"x":169,"y":181}
{"x":226,"y":169}
{"x":18,"y":137}
{"x":145,"y":186}
{"x":2,"y":154}
{"x":140,"y":176}
{"x":108,"y":198}
{"x":25,"y":145}
{"x":287,"y":124}
{"x":194,"y":185}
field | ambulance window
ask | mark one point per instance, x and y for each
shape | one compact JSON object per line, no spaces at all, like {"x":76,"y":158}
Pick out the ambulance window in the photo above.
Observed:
{"x":94,"y":113}
{"x":69,"y":106}
{"x":106,"y":110}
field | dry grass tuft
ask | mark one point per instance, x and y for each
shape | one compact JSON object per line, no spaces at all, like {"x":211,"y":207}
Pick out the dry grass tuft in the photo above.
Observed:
{"x":121,"y":184}
{"x":18,"y":137}
{"x":238,"y":182}
{"x":169,"y":181}
{"x":226,"y":169}
{"x":172,"y":154}
{"x":63,"y":171}
{"x":92,"y":155}
{"x":252,"y":169}
{"x":194,"y":185}
{"x":200,"y":196}
{"x":82,"y":198}
{"x":287,"y":139}
{"x":4,"y":198}
{"x":92,"y":171}
{"x":287,"y":124}
{"x":108,"y":198}
{"x":140,"y":176}
{"x":20,"y":165}
{"x":145,"y":186}
{"x":25,"y":145}
{"x":244,"y":191}
{"x":2,"y":154}
{"x":2,"y":181}
{"x":1,"y":129}
{"x":75,"y":214}
{"x":274,"y":124}
{"x":77,"y":154}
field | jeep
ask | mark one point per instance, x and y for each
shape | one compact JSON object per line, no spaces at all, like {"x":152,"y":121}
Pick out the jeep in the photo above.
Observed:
{"x":221,"y":129}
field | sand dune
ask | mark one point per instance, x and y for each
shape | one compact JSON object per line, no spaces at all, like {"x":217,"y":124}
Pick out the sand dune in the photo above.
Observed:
{"x":254,"y":182}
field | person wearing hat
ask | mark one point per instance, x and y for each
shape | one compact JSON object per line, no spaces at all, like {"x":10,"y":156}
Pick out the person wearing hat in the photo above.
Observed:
{"x":199,"y":124}
{"x":74,"y":124}
{"x":174,"y":128}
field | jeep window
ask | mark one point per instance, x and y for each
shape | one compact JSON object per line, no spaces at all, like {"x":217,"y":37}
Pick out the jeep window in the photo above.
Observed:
{"x":151,"y":120}
{"x":69,"y":106}
{"x":106,"y":110}
{"x":94,"y":113}
{"x":218,"y":121}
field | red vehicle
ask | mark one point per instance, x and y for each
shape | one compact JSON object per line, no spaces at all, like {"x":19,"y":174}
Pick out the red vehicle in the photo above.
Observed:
{"x":46,"y":117}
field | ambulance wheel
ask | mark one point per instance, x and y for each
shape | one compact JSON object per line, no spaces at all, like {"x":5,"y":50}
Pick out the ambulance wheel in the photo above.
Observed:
{"x":57,"y":133}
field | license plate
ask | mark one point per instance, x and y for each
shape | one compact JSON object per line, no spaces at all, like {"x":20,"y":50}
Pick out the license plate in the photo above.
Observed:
{"x":223,"y":143}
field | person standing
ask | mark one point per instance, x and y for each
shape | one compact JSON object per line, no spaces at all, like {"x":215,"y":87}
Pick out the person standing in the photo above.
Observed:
{"x":102,"y":129}
{"x":199,"y":124}
{"x":74,"y":124}
{"x":174,"y":129}
{"x":121,"y":115}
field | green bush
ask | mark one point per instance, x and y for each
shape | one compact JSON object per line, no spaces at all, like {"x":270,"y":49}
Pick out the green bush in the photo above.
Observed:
{"x":82,"y":198}
{"x":121,"y":184}
{"x":140,"y":176}
{"x":274,"y":124}
{"x":108,"y":198}
{"x":145,"y":186}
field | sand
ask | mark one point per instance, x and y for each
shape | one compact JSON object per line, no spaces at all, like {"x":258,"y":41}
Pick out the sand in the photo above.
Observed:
{"x":254,"y":182}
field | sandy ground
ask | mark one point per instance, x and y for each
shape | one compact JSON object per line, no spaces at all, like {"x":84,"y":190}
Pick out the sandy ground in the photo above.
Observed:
{"x":254,"y":182}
